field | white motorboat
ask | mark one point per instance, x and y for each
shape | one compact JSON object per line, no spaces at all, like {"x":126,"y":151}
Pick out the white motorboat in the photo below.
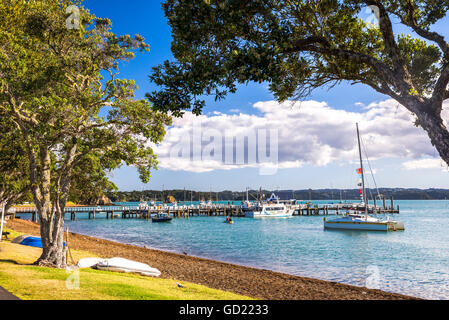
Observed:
{"x":271,"y":209}
{"x":143,"y":205}
{"x":363,"y":221}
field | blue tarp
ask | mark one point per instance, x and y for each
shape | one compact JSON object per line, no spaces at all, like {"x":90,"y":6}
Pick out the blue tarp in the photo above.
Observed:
{"x":33,"y":242}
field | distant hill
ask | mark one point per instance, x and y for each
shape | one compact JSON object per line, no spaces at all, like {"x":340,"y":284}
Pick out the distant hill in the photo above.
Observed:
{"x":307,"y":194}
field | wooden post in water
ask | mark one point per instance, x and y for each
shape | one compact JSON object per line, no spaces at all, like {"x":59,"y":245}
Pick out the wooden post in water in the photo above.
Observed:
{"x":385,"y":205}
{"x":392,"y":203}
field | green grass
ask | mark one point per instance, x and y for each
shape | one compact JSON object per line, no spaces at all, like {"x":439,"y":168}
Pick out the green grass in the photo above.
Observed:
{"x":28,"y":282}
{"x":13,"y":234}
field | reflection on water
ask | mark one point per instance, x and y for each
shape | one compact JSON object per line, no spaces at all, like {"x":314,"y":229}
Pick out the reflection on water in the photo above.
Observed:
{"x":414,"y":262}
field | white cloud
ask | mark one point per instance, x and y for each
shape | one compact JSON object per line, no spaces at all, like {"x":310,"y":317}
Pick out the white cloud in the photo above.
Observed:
{"x":430,"y":163}
{"x":309,"y":132}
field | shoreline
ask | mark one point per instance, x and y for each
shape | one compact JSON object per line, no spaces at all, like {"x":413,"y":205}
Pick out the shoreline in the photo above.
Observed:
{"x":249,"y":281}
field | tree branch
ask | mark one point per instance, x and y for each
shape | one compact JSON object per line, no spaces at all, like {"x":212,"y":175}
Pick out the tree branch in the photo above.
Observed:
{"x":391,"y":46}
{"x":386,"y":73}
{"x":441,"y":86}
{"x":17,"y":108}
{"x":446,"y":95}
{"x":410,"y":20}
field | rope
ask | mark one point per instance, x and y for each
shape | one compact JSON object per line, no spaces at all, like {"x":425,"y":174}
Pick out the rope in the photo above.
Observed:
{"x":371,"y":170}
{"x":68,"y":248}
{"x":70,"y":254}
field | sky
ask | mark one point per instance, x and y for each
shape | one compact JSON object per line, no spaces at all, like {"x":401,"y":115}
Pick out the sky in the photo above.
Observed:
{"x":310,"y":144}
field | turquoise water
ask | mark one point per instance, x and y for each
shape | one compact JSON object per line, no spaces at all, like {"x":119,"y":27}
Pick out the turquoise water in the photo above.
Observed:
{"x":413,"y":262}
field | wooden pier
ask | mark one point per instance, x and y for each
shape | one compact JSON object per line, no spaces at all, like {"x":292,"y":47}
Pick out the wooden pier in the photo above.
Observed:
{"x":187,"y":211}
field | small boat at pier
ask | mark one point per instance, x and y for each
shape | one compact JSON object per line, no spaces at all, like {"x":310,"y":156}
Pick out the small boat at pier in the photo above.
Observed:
{"x":161,"y":217}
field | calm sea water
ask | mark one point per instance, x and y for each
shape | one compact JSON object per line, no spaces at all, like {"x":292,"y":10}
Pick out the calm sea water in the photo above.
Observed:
{"x":414,"y":262}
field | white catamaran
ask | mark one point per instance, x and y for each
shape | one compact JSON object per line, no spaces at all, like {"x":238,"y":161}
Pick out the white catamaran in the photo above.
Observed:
{"x":356,"y":221}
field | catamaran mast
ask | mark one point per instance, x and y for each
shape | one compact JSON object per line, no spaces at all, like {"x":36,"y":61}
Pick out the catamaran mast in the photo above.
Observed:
{"x":363,"y":172}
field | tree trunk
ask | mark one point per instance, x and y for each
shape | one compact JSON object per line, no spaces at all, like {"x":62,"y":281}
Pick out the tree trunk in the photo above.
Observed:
{"x":51,"y":220}
{"x":53,"y":249}
{"x":437,"y":131}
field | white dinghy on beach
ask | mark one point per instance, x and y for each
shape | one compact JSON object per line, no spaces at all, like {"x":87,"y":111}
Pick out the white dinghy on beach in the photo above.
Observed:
{"x":119,"y":265}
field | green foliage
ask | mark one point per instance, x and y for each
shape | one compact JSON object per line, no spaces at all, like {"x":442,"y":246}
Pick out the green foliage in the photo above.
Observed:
{"x":90,"y":181}
{"x":421,"y":59}
{"x":14,"y":170}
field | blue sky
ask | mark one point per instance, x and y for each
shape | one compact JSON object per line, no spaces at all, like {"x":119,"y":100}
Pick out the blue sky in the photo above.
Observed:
{"x":401,"y":166}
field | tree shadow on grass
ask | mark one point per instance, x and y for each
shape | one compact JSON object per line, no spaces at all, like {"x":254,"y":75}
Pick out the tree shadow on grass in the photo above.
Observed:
{"x":9,"y":261}
{"x":15,"y":262}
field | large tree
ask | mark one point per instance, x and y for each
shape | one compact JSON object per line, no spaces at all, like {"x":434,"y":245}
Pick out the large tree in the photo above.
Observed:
{"x":297,"y":46}
{"x":59,"y":85}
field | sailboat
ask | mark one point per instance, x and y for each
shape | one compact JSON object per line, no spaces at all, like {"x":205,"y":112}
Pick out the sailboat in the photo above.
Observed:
{"x":357,"y":221}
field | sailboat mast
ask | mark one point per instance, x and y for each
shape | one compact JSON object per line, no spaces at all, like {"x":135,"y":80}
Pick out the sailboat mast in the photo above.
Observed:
{"x":363,"y":172}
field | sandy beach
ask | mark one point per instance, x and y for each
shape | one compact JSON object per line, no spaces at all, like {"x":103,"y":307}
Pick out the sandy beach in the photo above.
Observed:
{"x":257,"y":283}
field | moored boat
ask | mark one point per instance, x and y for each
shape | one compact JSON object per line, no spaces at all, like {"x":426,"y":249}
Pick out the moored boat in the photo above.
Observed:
{"x":363,"y":222}
{"x":270,"y":209}
{"x":161,"y":217}
{"x":143,"y":205}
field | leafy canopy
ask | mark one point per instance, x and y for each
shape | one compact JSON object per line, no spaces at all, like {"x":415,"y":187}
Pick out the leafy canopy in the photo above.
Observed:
{"x":296,"y":46}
